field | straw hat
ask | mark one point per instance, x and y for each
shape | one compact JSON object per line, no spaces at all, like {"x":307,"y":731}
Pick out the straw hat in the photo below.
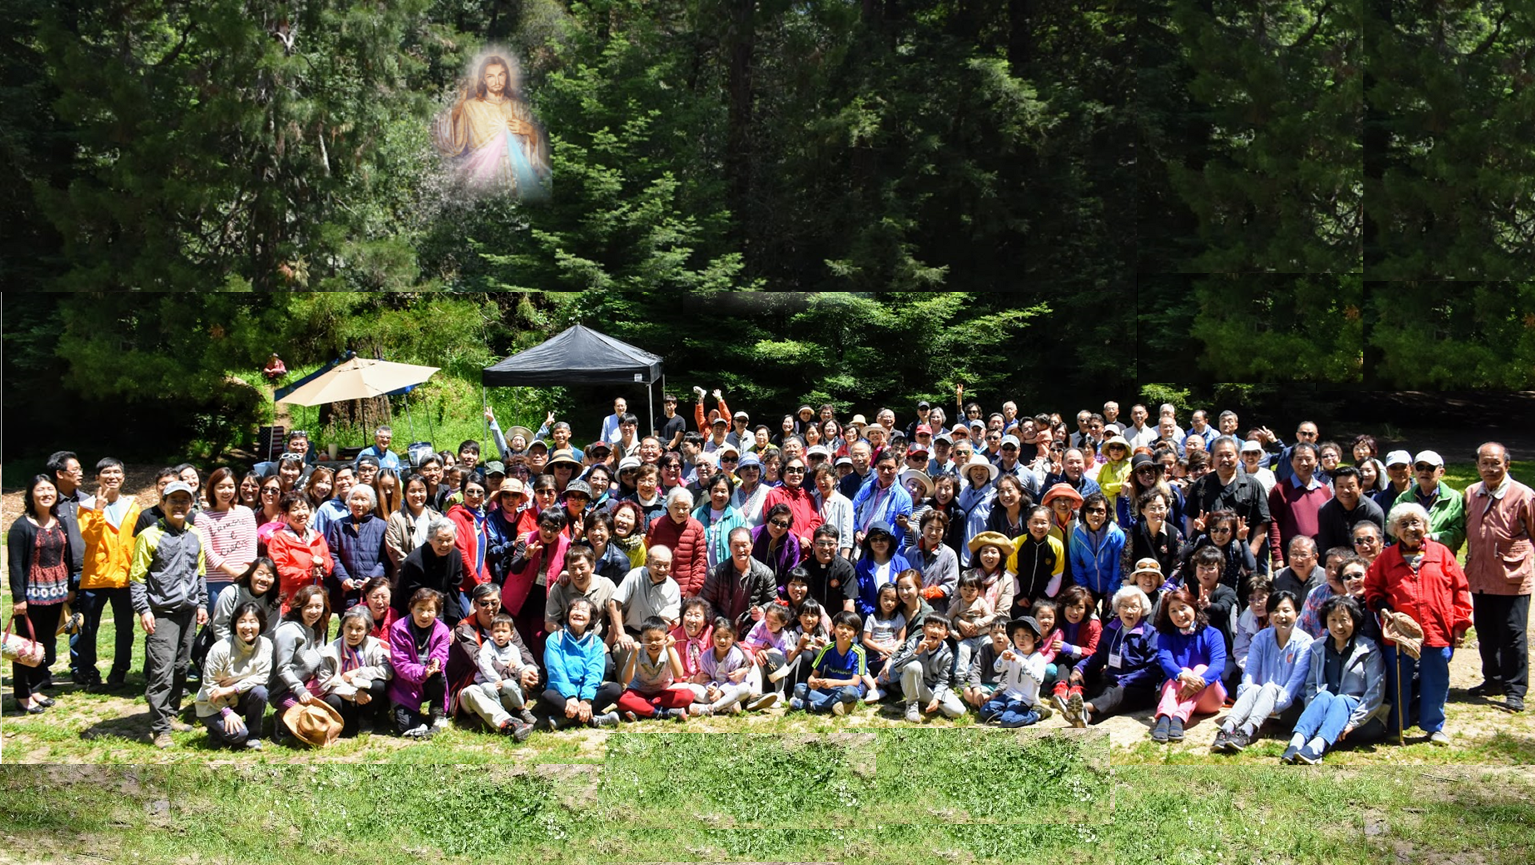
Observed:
{"x":920,"y":477}
{"x":509,"y":487}
{"x":992,"y":539}
{"x":314,"y":723}
{"x":515,"y":430}
{"x":564,"y":456}
{"x":1146,"y":566}
{"x":978,"y":461}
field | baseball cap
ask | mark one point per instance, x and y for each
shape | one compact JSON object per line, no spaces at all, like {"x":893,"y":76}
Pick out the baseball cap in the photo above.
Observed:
{"x":1399,"y":458}
{"x":628,"y":463}
{"x":1011,"y":440}
{"x":1431,"y":457}
{"x":922,"y":404}
{"x":495,"y":467}
{"x":844,"y":461}
{"x":177,"y":487}
{"x":923,"y":430}
{"x":741,"y":415}
{"x":818,"y":450}
{"x":943,"y":437}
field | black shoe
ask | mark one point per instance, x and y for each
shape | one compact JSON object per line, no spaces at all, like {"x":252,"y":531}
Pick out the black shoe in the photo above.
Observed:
{"x":1489,"y":688}
{"x":1514,"y":704}
{"x":1237,"y":742}
{"x":1222,"y":740}
{"x":117,"y":680}
{"x":45,"y":702}
{"x":1175,"y":730}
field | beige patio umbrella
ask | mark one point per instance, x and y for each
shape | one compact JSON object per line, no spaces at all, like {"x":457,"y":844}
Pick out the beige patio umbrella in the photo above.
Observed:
{"x":359,"y":378}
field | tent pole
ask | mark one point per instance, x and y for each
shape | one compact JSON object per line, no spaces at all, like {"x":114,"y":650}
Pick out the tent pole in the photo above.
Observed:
{"x":484,"y":404}
{"x":650,"y":390}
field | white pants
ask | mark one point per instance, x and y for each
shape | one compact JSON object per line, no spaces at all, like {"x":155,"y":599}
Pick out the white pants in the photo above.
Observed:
{"x":491,"y":703}
{"x":916,"y":690}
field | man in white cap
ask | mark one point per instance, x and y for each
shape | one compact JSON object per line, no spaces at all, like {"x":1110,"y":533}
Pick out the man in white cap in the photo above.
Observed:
{"x":1446,"y":509}
{"x":1399,"y":472}
{"x":1010,"y":464}
{"x":168,"y":582}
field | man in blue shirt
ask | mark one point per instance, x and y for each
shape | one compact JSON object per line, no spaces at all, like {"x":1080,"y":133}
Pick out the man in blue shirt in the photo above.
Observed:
{"x":380,"y":451}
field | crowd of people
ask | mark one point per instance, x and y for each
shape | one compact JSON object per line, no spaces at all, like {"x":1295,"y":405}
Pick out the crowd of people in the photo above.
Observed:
{"x":1002,"y":564}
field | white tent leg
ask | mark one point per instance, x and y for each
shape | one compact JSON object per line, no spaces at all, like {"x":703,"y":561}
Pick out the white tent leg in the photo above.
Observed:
{"x":650,"y":390}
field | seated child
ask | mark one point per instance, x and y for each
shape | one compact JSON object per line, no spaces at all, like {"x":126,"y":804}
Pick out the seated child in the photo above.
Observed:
{"x":1077,"y":638}
{"x":926,"y":669}
{"x":1124,"y":671}
{"x":971,"y":616}
{"x":805,"y":642}
{"x":656,"y":685}
{"x":769,"y":645}
{"x":418,"y":651}
{"x":883,"y":632}
{"x":837,"y":673}
{"x":574,"y":660}
{"x":355,"y":670}
{"x":1274,"y":674}
{"x":693,"y":638}
{"x":497,"y":688}
{"x":1022,"y":668}
{"x":982,"y":679}
{"x":725,"y":673}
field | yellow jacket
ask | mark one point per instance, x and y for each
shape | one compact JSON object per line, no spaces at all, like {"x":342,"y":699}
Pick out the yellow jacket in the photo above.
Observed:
{"x":108,"y":550}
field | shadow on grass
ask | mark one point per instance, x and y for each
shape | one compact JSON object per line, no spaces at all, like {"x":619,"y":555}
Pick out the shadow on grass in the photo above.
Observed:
{"x":133,"y":727}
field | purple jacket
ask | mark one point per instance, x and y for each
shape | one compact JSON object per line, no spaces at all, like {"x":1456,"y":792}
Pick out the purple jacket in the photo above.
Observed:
{"x":409,"y":673}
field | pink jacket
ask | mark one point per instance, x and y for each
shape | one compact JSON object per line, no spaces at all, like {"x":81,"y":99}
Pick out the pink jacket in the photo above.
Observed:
{"x":1500,"y":557}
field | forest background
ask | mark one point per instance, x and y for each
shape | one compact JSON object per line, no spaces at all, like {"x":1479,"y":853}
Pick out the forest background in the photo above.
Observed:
{"x":1058,"y":202}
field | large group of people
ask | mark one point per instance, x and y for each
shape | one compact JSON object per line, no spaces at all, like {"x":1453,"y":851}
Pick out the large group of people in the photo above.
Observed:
{"x":1002,"y":564}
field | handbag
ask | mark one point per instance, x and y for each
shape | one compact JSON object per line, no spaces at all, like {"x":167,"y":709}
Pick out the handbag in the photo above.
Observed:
{"x":202,"y":644}
{"x":26,"y":652}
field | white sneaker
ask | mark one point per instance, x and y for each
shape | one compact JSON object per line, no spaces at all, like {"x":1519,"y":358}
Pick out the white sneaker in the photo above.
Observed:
{"x":606,"y":719}
{"x":839,"y":708}
{"x":441,"y":723}
{"x":701,"y":709}
{"x":253,"y":745}
{"x":418,"y":732}
{"x":1440,"y":738}
{"x":913,"y":713}
{"x":874,"y":696}
{"x":764,"y":701}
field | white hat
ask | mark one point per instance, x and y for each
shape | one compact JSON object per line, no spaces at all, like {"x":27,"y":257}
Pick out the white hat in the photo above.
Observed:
{"x":1251,"y":446}
{"x":1398,"y":458}
{"x":978,"y":460}
{"x":1431,"y":457}
{"x":818,"y":450}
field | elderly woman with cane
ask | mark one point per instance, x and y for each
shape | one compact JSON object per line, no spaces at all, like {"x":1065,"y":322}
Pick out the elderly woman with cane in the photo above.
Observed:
{"x":1424,"y":602}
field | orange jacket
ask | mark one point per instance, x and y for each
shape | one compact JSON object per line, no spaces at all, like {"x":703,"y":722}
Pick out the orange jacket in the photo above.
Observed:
{"x":108,"y":549}
{"x":295,"y":558}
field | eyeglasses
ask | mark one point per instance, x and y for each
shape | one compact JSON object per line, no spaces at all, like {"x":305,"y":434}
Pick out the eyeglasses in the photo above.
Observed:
{"x":545,"y":492}
{"x":780,"y":524}
{"x":1424,"y":467}
{"x":794,"y":470}
{"x":271,"y":491}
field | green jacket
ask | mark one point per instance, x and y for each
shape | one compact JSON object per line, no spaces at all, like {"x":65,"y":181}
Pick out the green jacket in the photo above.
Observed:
{"x":1446,"y":516}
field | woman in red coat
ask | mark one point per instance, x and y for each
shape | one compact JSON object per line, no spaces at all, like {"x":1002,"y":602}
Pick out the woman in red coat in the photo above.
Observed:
{"x":1418,"y":578}
{"x":536,"y":563}
{"x":686,"y":537}
{"x":472,"y":540}
{"x":299,"y":552}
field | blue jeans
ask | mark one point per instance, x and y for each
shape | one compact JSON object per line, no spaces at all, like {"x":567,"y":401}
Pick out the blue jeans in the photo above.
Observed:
{"x":82,"y":646}
{"x":1325,"y":716}
{"x":1433,"y":670}
{"x":821,"y":699}
{"x":1009,"y":712}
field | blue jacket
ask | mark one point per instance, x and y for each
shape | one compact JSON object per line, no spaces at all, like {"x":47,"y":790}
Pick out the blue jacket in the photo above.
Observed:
{"x":1137,"y":650}
{"x":1177,"y":652}
{"x":1364,"y":676}
{"x":575,"y":666}
{"x":358,"y":548}
{"x":867,"y":590}
{"x":895,"y":503}
{"x":1286,"y":667}
{"x":1098,"y":570}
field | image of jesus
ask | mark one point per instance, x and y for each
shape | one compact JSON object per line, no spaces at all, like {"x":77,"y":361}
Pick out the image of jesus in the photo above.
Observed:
{"x":490,"y":136}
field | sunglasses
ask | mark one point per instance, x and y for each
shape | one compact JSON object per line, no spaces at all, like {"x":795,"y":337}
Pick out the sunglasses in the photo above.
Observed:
{"x":487,"y":603}
{"x":780,"y":524}
{"x":1097,"y":510}
{"x":1367,"y":541}
{"x":270,"y":491}
{"x":1424,"y":467}
{"x":794,"y":470}
{"x":730,"y":459}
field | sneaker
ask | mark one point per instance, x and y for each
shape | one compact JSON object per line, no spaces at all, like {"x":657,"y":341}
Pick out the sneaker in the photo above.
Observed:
{"x":521,"y":731}
{"x":161,"y":740}
{"x":1175,"y":730}
{"x":678,"y":715}
{"x":1071,"y":709}
{"x":796,"y":703}
{"x":421,"y":731}
{"x":117,"y":680}
{"x":1440,"y":738}
{"x":1290,"y":754}
{"x":839,"y":708}
{"x":1159,"y":732}
{"x":913,"y":713}
{"x":253,"y":745}
{"x":440,"y":723}
{"x":701,"y":710}
{"x":764,"y":701}
{"x":781,"y":673}
{"x":874,"y":696}
{"x":1312,"y":753}
{"x":181,"y":727}
{"x":1062,"y":701}
{"x":1486,"y":689}
{"x":1087,"y":716}
{"x":1221,"y":743}
{"x":1044,"y":712}
{"x":527,"y":716}
{"x":1237,"y":741}
{"x":606,"y":719}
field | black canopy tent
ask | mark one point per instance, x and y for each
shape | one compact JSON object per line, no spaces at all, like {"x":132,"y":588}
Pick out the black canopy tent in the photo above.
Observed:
{"x":577,"y":355}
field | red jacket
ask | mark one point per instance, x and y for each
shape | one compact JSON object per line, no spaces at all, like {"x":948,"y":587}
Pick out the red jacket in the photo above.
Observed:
{"x":470,"y":531}
{"x":1437,"y":596}
{"x":801,"y":502}
{"x":520,"y":580}
{"x":295,"y":558}
{"x":690,"y":557}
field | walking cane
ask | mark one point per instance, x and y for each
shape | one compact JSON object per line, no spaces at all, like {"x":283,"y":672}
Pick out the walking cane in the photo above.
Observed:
{"x":1401,"y":719}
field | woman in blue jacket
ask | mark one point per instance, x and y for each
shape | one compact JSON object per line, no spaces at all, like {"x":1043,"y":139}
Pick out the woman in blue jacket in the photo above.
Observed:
{"x":1192,"y":654}
{"x":1123,"y":670}
{"x":575,"y":658}
{"x":880,"y":563}
{"x":1345,"y":684}
{"x":1096,"y":545}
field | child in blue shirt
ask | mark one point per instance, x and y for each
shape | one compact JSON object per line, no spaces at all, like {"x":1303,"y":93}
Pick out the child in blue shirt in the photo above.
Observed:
{"x":837,"y":674}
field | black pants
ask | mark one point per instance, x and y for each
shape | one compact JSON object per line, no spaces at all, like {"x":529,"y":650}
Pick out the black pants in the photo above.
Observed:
{"x":435,"y":689}
{"x":44,"y":619}
{"x":82,"y":647}
{"x":1501,"y":622}
{"x":352,"y":714}
{"x":607,"y":695}
{"x":251,"y":706}
{"x":1117,"y":699}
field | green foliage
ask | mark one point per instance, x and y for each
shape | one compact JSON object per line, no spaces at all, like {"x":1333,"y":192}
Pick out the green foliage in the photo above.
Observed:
{"x":1281,"y":328}
{"x":1478,"y":335}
